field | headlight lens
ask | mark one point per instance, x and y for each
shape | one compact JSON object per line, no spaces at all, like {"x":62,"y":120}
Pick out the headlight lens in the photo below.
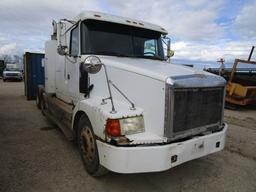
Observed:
{"x":132,"y":125}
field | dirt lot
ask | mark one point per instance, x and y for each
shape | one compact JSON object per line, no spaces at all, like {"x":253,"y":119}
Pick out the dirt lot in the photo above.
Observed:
{"x":35,"y":156}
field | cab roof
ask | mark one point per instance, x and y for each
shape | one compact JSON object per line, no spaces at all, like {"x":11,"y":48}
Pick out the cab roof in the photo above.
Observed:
{"x":120,"y":20}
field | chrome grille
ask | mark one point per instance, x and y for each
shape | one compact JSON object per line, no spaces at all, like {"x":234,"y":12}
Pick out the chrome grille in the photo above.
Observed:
{"x":192,"y":110}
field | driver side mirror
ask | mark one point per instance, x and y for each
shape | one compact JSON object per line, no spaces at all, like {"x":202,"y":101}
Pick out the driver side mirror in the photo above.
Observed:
{"x":167,"y":41}
{"x":170,"y":53}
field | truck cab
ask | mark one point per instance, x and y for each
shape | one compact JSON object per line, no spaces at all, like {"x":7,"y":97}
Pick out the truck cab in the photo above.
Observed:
{"x":110,"y":87}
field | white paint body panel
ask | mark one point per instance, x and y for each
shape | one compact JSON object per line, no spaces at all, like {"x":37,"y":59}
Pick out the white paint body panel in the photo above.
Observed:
{"x":158,"y":158}
{"x":155,"y":69}
{"x":98,"y":114}
{"x":73,"y":81}
{"x":117,"y":19}
{"x":56,"y":72}
{"x":50,"y":61}
{"x":143,"y":91}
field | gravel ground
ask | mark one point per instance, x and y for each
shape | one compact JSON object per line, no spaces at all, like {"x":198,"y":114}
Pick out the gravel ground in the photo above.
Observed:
{"x":35,"y":156}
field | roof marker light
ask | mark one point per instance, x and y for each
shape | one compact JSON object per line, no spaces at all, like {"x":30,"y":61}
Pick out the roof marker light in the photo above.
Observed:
{"x":97,"y":15}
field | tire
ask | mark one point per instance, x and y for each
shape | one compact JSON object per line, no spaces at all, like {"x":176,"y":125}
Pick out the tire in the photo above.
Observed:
{"x":38,"y":100}
{"x":4,"y":80}
{"x":42,"y":104}
{"x":88,"y":148}
{"x":231,"y":106}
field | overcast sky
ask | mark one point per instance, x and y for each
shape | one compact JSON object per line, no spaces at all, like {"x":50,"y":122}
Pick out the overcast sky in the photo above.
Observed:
{"x":200,"y":29}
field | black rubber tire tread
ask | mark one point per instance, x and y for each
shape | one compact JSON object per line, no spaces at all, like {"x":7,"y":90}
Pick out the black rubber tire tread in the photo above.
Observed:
{"x":93,"y":168}
{"x":42,"y":103}
{"x":38,"y":99}
{"x":231,"y":106}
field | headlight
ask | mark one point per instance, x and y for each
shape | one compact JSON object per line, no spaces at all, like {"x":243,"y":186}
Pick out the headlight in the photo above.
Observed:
{"x":126,"y":126}
{"x":132,"y":125}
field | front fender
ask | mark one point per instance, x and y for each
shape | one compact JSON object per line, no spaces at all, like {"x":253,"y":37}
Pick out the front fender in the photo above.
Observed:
{"x":98,"y":113}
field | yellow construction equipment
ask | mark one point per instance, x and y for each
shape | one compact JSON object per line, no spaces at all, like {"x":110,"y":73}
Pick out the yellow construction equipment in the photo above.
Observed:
{"x":241,"y":91}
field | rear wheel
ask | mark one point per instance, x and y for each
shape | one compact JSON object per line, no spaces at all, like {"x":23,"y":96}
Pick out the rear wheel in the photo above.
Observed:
{"x":88,"y":148}
{"x":38,"y":100}
{"x":42,"y":103}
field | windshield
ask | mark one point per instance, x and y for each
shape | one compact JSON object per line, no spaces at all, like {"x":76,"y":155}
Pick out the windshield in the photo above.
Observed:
{"x":105,"y":38}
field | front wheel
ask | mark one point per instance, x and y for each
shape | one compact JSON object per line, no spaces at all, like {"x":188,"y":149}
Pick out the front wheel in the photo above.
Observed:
{"x":88,"y":148}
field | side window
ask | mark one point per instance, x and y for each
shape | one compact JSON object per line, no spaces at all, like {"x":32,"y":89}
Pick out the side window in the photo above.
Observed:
{"x":74,"y":41}
{"x":150,"y":48}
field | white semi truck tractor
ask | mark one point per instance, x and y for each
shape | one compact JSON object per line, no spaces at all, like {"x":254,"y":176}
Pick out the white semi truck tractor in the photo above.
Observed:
{"x":109,"y":87}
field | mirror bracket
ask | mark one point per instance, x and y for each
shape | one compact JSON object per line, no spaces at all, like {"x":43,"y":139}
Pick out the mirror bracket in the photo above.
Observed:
{"x":62,"y":50}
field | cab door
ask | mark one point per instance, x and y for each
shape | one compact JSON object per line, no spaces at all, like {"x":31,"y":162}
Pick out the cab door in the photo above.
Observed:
{"x":72,"y":64}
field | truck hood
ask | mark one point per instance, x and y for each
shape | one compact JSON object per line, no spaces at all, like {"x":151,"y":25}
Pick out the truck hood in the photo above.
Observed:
{"x":160,"y":70}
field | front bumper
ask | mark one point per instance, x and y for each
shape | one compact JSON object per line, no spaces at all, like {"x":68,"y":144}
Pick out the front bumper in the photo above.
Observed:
{"x":12,"y":77}
{"x":159,"y":158}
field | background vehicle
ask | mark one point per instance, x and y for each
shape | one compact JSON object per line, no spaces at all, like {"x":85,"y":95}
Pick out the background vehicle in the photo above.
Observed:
{"x":2,"y":66}
{"x":240,"y":90}
{"x":12,"y":73}
{"x":241,"y":82}
{"x":109,"y":87}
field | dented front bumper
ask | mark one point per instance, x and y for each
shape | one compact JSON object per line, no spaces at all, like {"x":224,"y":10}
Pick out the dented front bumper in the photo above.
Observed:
{"x":159,"y":158}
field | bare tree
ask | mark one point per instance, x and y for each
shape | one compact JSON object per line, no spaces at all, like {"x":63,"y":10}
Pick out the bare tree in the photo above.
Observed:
{"x":17,"y":58}
{"x":6,"y":58}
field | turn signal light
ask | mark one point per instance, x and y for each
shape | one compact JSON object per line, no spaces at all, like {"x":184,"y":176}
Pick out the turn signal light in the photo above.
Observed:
{"x":113,"y":128}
